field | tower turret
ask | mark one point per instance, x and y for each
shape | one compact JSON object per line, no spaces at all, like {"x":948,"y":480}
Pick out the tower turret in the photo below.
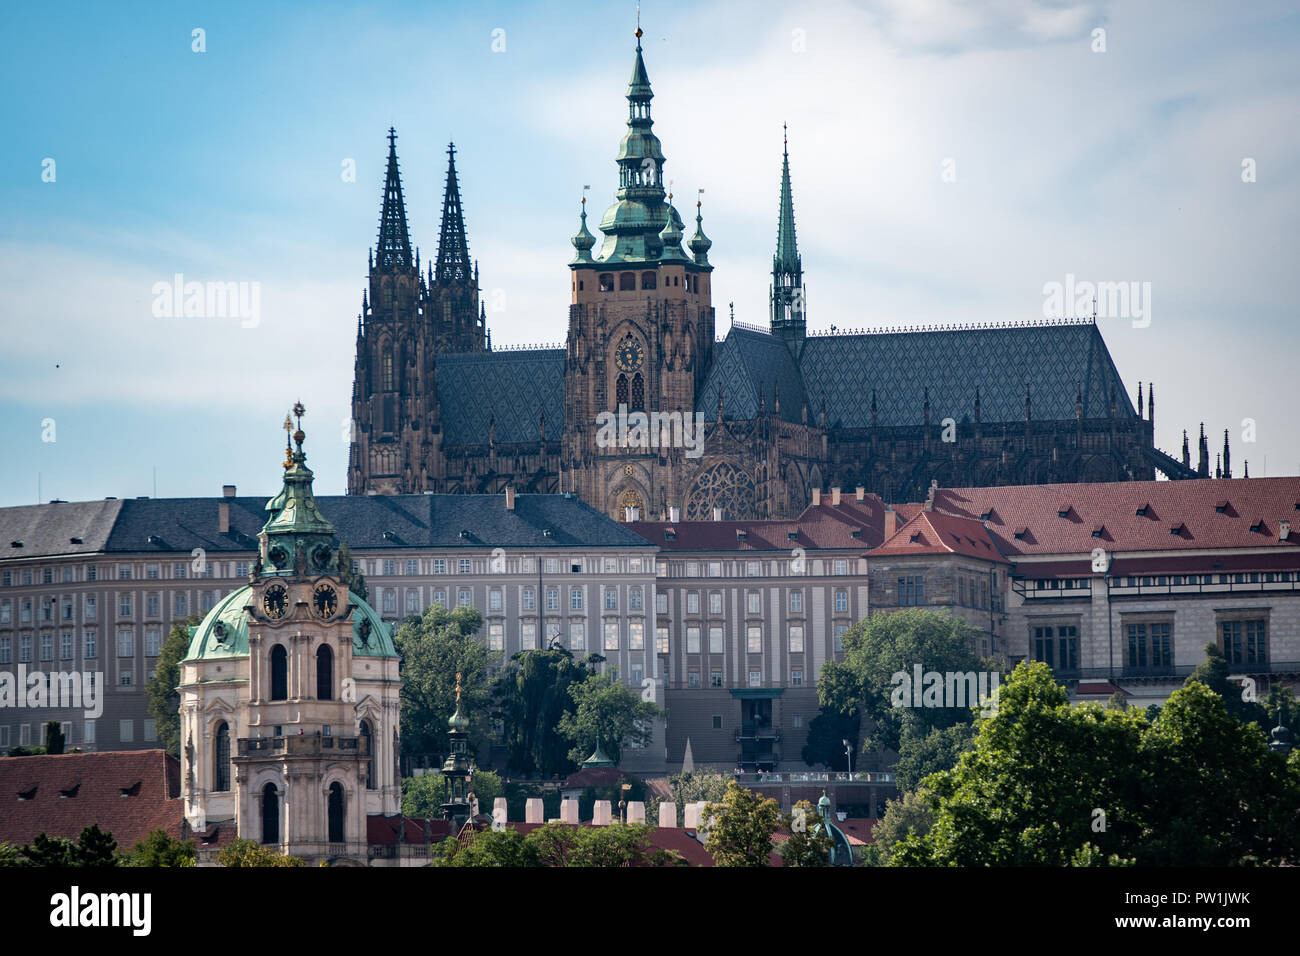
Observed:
{"x":787,"y":296}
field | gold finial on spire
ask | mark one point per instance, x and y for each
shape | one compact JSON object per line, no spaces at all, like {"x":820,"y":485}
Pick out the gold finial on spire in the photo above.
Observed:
{"x":299,"y":435}
{"x":458,"y":688}
{"x":288,"y":448}
{"x":638,"y":25}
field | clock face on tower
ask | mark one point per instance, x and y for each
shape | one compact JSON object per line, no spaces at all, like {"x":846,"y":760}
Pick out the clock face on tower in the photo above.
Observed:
{"x":324,"y":601}
{"x":275,"y":601}
{"x":629,"y":355}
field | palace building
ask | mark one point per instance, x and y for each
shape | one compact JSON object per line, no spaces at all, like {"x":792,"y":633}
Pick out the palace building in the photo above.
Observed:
{"x":784,"y":410}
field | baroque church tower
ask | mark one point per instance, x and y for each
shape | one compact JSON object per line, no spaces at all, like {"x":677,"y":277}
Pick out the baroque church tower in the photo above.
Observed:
{"x":406,"y":321}
{"x":641,"y":328}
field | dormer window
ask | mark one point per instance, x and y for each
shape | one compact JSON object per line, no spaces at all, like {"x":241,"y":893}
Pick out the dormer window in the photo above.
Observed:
{"x":1258,"y":527}
{"x":670,"y":535}
{"x":1142,"y":512}
{"x":1021,"y":533}
{"x":1221,"y":506}
{"x":1178,"y":529}
{"x":1064,"y":512}
{"x":792,"y":535}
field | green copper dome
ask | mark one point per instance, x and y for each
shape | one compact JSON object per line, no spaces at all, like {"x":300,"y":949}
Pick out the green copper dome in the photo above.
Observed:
{"x":583,"y":241}
{"x":223,"y":632}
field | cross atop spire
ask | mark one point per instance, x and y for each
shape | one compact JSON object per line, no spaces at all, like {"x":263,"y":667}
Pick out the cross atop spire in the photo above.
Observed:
{"x":394,"y":241}
{"x":453,"y":249}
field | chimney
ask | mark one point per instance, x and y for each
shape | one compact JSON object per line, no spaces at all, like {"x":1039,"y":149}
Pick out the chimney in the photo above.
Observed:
{"x":227,"y":491}
{"x":860,"y":493}
{"x":835,"y":497}
{"x":817,"y":497}
{"x":717,"y":514}
{"x":675,"y":514}
{"x":1284,"y":530}
{"x":510,"y":498}
{"x":223,"y":509}
{"x":891,"y":522}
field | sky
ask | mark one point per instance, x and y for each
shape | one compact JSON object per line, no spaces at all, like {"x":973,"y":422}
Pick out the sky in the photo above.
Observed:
{"x":950,"y":162}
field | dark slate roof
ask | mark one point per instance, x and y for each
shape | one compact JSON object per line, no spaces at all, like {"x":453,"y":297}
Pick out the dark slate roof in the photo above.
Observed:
{"x":176,"y":525}
{"x":746,"y":364}
{"x":515,"y":387}
{"x":1054,"y":360}
{"x":48,"y":530}
{"x":841,"y":370}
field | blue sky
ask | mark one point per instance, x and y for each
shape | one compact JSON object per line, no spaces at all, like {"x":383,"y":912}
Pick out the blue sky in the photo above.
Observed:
{"x":1123,"y":165}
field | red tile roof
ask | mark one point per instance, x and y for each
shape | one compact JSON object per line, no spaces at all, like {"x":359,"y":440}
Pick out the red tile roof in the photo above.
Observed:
{"x":593,"y":777}
{"x":932,"y":532}
{"x":382,"y":830}
{"x":128,"y":793}
{"x":1176,"y":515}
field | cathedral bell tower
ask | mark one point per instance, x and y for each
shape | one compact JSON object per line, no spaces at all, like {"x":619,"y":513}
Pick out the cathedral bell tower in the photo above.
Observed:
{"x":641,"y":327}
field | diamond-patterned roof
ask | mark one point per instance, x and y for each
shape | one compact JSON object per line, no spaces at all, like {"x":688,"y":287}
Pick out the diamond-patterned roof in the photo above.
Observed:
{"x":745,"y":363}
{"x":515,"y":387}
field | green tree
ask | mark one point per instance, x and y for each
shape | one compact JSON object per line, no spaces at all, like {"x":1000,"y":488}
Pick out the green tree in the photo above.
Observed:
{"x":241,"y":852}
{"x":434,"y":649}
{"x":739,"y":828}
{"x":1280,"y":706}
{"x":921,"y":755}
{"x":826,"y":735}
{"x":424,"y":795}
{"x":53,"y":738}
{"x":96,"y":848}
{"x":609,"y":712}
{"x":808,"y":843}
{"x":351,"y":574}
{"x":911,"y":814}
{"x":163,"y":697}
{"x":486,"y":848}
{"x":160,"y":848}
{"x":616,"y":845}
{"x":693,"y":786}
{"x":48,"y":851}
{"x":532,"y":696}
{"x":1213,"y":673}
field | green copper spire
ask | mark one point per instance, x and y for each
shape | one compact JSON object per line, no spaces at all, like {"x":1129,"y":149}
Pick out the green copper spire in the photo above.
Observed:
{"x":583,"y":241}
{"x":700,"y":243}
{"x":633,"y":223}
{"x":787,"y":296}
{"x":296,"y":535}
{"x":671,"y":237}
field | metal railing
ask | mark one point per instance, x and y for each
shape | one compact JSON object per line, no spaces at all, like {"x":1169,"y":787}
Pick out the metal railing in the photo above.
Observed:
{"x":302,"y":744}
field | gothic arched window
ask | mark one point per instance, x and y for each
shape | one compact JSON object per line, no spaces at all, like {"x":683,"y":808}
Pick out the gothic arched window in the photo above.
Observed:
{"x":620,"y":391}
{"x":369,"y":745}
{"x":637,"y":403}
{"x":336,"y":812}
{"x":647,"y":280}
{"x":221,"y":761}
{"x":606,"y":282}
{"x":270,"y":814}
{"x":723,"y":486}
{"x":279,"y":673}
{"x":387,"y":362}
{"x":324,"y":673}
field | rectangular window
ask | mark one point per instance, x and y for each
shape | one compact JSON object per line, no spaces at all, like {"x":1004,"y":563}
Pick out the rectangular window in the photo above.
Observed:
{"x":528,"y":635}
{"x":634,"y":599}
{"x":796,"y":677}
{"x":88,"y":732}
{"x":496,"y":637}
{"x":6,"y":649}
{"x":7,"y":579}
{"x":126,"y":675}
{"x":841,"y":567}
{"x":465,"y":566}
{"x":752,"y":569}
{"x":126,"y":643}
{"x":47,"y":646}
{"x":1045,"y":647}
{"x":577,"y":636}
{"x":661,"y":603}
{"x":67,"y":610}
{"x":692,"y":602}
{"x":575,"y":598}
{"x":715,"y":677}
{"x":611,"y":635}
{"x":609,"y":565}
{"x":92,"y":573}
{"x":208,"y":569}
{"x":389,"y":601}
{"x":151,"y":572}
{"x":529,"y":599}
{"x":464,"y":597}
{"x":124,"y":605}
{"x":1068,"y":647}
{"x":715,"y":639}
{"x":152,"y":641}
{"x":179,"y":569}
{"x":634,"y":565}
{"x":47,"y":575}
{"x":241,"y":569}
{"x":796,"y":638}
{"x":151,"y":605}
{"x":636,"y":635}
{"x":65,"y":646}
{"x":611,"y":599}
{"x":25,"y":735}
{"x":494,"y":599}
{"x":552,"y":599}
{"x":692,"y":678}
{"x":412,"y":601}
{"x":715,"y":602}
{"x":755,"y":678}
{"x":552,"y":565}
{"x":661,"y":639}
{"x":90,"y":607}
{"x":206,"y":601}
{"x":754,"y":639}
{"x":91,"y":641}
{"x":26,"y":615}
{"x":149,"y":733}
{"x":47,"y":610}
{"x":4,"y":734}
{"x":638,"y":672}
{"x":575,"y":566}
{"x":841,"y":601}
{"x":1245,"y":642}
{"x":753,"y":602}
{"x":840,"y":630}
{"x":796,"y":602}
{"x":440,"y":597}
{"x":693,"y":571}
{"x":126,"y":731}
{"x":911,"y":590}
{"x":27,"y":578}
{"x":439,"y":565}
{"x":412,"y":566}
{"x":6,"y":613}
{"x":692,"y":640}
{"x":388,"y":566}
{"x":715,"y":569}
{"x":180,"y":605}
